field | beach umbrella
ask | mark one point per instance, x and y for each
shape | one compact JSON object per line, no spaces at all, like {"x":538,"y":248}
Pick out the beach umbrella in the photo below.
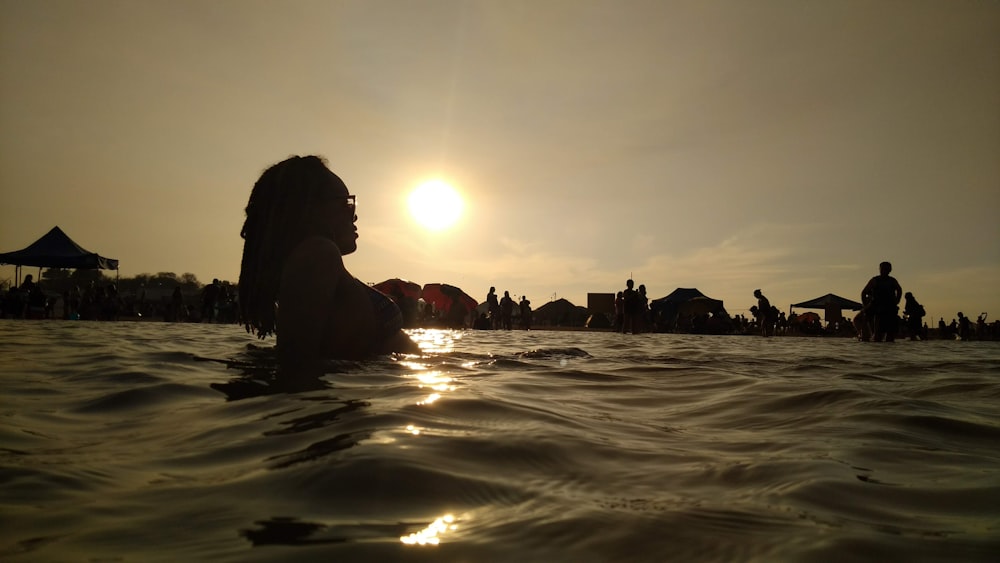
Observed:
{"x":444,"y":296}
{"x":396,"y":288}
{"x":809,"y":317}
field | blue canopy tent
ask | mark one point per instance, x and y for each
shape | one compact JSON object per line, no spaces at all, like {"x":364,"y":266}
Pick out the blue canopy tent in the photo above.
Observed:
{"x":682,"y":301}
{"x":56,"y":250}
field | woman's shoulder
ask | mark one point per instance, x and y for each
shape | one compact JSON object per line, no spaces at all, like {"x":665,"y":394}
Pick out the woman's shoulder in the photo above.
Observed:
{"x":315,"y":247}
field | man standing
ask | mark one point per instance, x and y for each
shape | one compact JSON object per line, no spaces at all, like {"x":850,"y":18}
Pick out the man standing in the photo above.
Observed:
{"x":880,"y":298}
{"x":493,"y":307}
{"x":764,"y":316}
{"x":630,"y":304}
{"x":209,"y":296}
{"x":914,"y":312}
{"x":506,"y":311}
{"x":525,"y":313}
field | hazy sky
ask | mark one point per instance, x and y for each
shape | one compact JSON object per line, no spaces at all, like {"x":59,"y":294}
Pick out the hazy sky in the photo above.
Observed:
{"x":788,"y":145}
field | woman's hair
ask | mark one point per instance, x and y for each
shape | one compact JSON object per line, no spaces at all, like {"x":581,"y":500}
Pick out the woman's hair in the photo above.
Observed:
{"x":275,"y":224}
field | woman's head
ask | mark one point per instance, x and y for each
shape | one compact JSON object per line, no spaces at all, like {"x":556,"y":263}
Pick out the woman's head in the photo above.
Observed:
{"x":299,"y":197}
{"x":293,"y":199}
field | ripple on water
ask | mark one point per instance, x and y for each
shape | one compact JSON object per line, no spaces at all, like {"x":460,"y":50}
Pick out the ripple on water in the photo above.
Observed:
{"x":169,"y":442}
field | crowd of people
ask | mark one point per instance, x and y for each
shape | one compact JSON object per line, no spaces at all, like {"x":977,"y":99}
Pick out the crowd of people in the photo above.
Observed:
{"x":216,"y":302}
{"x":881,"y":317}
{"x":499,"y":313}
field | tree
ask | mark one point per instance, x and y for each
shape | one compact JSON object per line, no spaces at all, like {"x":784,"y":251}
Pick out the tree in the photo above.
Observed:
{"x":189,"y":281}
{"x":166,"y":278}
{"x":84,"y":278}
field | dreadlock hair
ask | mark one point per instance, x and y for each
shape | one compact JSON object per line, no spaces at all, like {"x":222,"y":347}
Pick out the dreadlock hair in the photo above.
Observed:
{"x":274,"y":225}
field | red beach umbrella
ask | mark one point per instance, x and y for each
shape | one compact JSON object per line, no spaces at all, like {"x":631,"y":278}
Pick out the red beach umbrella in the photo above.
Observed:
{"x":396,"y":288}
{"x":444,"y":296}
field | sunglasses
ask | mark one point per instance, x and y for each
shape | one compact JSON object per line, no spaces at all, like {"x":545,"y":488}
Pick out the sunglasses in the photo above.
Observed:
{"x":350,"y":202}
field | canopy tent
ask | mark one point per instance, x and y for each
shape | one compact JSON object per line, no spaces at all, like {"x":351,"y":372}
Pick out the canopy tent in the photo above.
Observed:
{"x":685,"y":298}
{"x":832,"y":305}
{"x":560,"y":312}
{"x":699,"y":306}
{"x":686,"y":301}
{"x":57,"y":250}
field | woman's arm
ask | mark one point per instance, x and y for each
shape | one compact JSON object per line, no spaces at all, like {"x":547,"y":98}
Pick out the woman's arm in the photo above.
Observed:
{"x":401,"y":343}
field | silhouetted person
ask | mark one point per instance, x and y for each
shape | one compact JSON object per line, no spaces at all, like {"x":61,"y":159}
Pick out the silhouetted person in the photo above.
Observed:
{"x":300,"y":223}
{"x":457,"y":315}
{"x":915,"y":313}
{"x":525,"y":307}
{"x":209,"y":298}
{"x":763,"y":313}
{"x":75,"y":300}
{"x":506,"y":311}
{"x":37,"y":300}
{"x":493,"y":308}
{"x":881,"y":301}
{"x":28,"y":284}
{"x":630,"y":306}
{"x":21,"y":297}
{"x":964,"y":325}
{"x":176,"y":305}
{"x":619,"y":311}
{"x":482,"y":322}
{"x":642,"y":306}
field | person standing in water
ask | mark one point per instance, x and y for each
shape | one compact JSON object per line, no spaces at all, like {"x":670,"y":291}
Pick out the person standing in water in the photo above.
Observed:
{"x":630,"y":307}
{"x":300,"y":223}
{"x":880,"y":298}
{"x":914,"y":312}
{"x":493,"y":307}
{"x":506,"y":311}
{"x":765,"y":315}
{"x":525,"y":306}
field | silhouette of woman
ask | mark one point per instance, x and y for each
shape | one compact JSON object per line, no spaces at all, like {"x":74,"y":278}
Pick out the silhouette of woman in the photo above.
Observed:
{"x":300,"y":222}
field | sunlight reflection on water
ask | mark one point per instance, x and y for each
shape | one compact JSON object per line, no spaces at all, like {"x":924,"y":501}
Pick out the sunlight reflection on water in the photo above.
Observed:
{"x":433,"y":341}
{"x":431,"y":535}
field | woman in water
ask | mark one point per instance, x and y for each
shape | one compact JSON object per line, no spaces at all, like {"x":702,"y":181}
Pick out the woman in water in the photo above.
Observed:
{"x":293,"y":283}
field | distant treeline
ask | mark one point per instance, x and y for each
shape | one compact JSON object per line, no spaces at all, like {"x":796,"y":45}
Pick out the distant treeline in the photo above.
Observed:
{"x":58,"y":280}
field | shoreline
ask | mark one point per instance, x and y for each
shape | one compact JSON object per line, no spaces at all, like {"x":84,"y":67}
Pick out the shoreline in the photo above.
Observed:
{"x":932,"y":333}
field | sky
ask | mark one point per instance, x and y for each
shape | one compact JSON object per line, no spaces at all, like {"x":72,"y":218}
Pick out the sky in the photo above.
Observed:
{"x":728,"y":145}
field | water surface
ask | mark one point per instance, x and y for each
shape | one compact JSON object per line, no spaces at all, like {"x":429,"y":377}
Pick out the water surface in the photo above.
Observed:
{"x":161,"y":442}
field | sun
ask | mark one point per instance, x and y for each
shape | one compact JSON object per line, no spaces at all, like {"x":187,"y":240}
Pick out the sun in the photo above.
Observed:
{"x":435,"y":205}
